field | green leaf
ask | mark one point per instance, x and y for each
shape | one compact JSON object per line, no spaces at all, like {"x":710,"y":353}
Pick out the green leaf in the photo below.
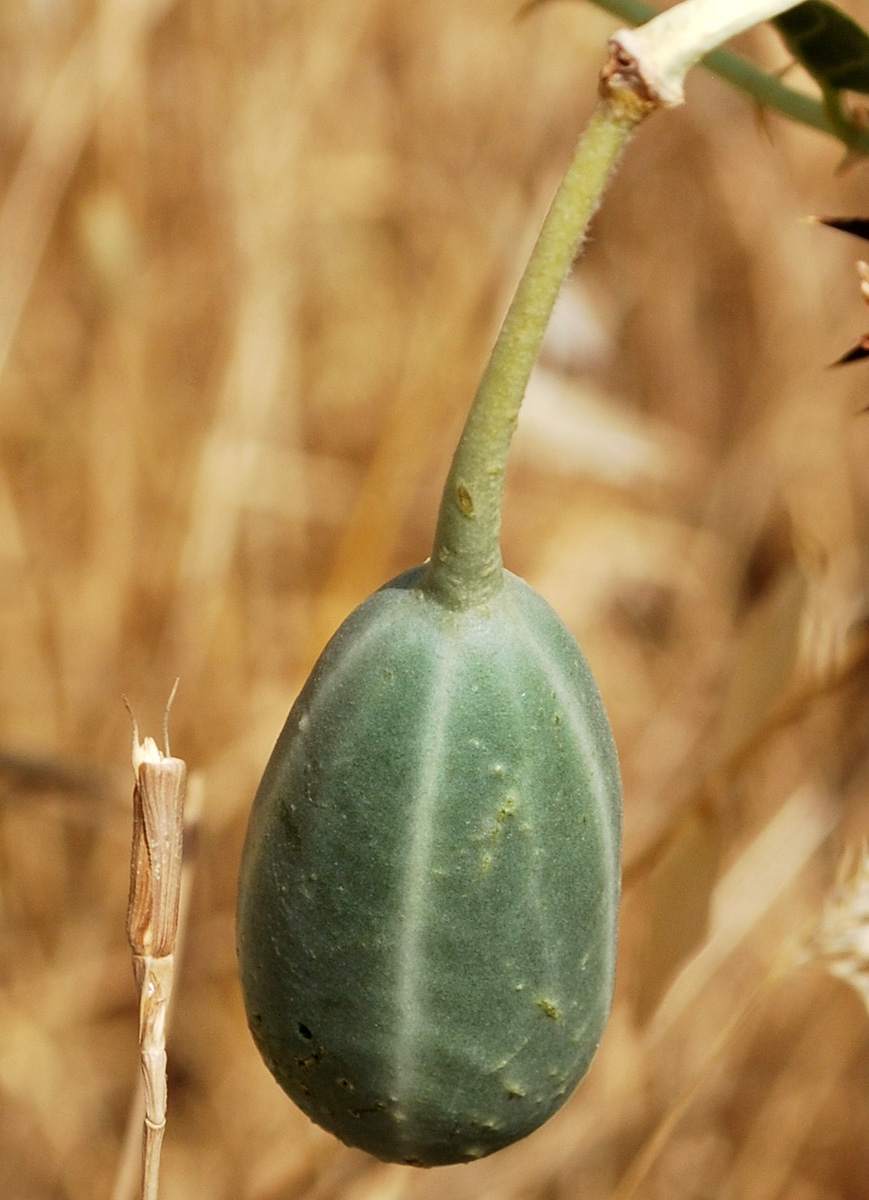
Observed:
{"x":832,"y":47}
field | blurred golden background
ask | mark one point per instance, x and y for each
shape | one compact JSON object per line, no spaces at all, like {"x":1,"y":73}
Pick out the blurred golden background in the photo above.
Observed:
{"x":253,"y":254}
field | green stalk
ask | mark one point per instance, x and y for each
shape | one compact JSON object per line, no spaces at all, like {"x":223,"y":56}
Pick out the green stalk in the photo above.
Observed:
{"x":766,"y":89}
{"x":646,"y":70}
{"x":465,"y":566}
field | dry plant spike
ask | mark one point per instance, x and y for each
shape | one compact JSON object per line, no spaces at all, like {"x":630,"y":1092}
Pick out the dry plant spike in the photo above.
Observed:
{"x":841,"y":939}
{"x":855,"y":354}
{"x":152,"y":921}
{"x":166,"y":712}
{"x":127,"y":1179}
{"x":861,"y":350}
{"x":863,"y":272}
{"x":857,"y":227}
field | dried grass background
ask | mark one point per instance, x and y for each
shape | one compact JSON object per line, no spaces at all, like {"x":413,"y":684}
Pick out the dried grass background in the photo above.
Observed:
{"x":252,"y":256}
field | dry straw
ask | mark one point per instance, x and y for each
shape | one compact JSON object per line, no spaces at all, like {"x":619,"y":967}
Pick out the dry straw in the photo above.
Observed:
{"x":152,"y":921}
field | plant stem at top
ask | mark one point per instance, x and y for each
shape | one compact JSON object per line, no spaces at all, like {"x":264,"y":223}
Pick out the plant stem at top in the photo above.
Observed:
{"x":646,"y":70}
{"x":465,"y":567}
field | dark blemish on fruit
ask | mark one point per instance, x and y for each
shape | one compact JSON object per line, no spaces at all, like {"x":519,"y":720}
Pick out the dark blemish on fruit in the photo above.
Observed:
{"x":506,"y":811}
{"x":291,"y":829}
{"x":466,"y":504}
{"x":359,"y":1113}
{"x":308,"y":1064}
{"x":547,"y":1008}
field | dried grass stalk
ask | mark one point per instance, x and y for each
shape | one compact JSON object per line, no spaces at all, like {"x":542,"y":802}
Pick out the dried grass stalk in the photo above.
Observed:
{"x":152,"y":922}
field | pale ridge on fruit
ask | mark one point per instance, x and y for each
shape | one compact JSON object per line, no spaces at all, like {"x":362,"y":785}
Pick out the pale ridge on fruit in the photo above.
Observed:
{"x":589,"y":750}
{"x":534,"y":856}
{"x":409,"y":1000}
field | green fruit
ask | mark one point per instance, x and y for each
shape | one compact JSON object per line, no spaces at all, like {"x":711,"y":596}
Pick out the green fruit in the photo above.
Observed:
{"x":429,"y":887}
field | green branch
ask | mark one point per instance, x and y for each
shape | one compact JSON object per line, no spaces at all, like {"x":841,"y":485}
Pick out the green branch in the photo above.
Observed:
{"x":766,"y":89}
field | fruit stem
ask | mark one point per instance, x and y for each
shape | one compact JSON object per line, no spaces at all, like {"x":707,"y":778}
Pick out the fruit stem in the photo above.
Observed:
{"x":646,"y":70}
{"x":465,"y":566}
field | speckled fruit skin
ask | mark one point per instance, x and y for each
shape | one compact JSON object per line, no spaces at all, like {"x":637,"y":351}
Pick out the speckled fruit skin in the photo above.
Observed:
{"x":430,"y":881}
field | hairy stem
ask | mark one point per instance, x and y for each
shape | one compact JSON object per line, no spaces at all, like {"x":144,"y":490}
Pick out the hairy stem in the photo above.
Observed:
{"x":465,"y":567}
{"x":646,"y":70}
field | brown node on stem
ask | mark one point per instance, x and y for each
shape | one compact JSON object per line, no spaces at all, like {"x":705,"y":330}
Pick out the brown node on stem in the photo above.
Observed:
{"x":622,"y":77}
